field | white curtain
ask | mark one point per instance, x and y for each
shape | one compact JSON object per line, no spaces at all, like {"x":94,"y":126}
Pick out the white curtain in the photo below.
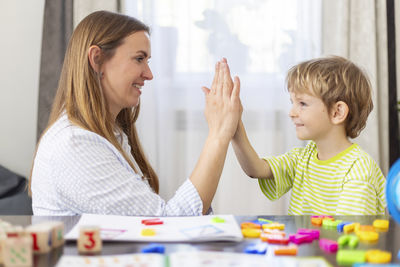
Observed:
{"x":356,"y":29}
{"x":261,"y":40}
{"x":82,"y":8}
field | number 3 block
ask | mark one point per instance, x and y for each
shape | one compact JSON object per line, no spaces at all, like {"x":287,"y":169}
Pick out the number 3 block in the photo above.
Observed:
{"x":89,"y":240}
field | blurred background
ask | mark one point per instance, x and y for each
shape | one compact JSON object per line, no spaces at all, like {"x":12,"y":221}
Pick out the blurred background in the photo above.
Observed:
{"x":261,"y":39}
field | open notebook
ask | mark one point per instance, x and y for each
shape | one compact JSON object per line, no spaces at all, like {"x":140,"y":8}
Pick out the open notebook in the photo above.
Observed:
{"x":172,"y":229}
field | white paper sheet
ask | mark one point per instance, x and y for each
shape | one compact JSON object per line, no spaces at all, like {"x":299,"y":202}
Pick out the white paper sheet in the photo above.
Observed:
{"x":173,"y":229}
{"x":192,"y":259}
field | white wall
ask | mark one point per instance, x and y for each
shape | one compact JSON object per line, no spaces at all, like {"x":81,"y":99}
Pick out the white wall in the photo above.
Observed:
{"x":20,"y":47}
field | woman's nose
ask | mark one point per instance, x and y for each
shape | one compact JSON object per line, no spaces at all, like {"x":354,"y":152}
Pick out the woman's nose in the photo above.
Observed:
{"x":147,"y":74}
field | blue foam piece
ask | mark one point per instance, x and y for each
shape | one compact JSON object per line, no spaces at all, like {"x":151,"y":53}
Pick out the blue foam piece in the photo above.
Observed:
{"x":258,"y":248}
{"x":154,"y":248}
{"x":341,"y":225}
{"x":259,"y":222}
{"x":375,"y":265}
{"x":393,"y":191}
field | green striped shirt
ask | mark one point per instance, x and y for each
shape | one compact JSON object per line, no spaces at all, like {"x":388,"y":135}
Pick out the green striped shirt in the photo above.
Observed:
{"x":349,"y":183}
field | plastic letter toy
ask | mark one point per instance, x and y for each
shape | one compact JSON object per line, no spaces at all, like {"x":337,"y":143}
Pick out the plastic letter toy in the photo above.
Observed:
{"x":259,"y":248}
{"x":287,"y":250}
{"x":251,"y":232}
{"x":348,"y":228}
{"x":314,"y":233}
{"x":264,"y":220}
{"x":368,"y":236}
{"x":343,"y":240}
{"x":153,"y":248}
{"x":252,"y":225}
{"x":350,"y":240}
{"x":274,"y":239}
{"x":382,"y":225}
{"x":328,"y":223}
{"x":316,"y":221}
{"x":378,"y":256}
{"x":279,"y":226}
{"x":367,"y":228}
{"x":349,"y":257}
{"x":328,"y":245}
{"x":341,"y":225}
{"x":274,"y":232}
{"x":353,"y":241}
{"x":300,"y":239}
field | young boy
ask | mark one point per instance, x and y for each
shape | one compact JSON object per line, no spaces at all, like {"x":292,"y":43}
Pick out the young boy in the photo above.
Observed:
{"x":331,"y":100}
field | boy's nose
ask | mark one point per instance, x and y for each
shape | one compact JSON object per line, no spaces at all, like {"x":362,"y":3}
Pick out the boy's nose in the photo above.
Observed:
{"x":292,"y":112}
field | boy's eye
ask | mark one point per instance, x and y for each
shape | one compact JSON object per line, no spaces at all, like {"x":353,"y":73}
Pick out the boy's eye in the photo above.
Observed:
{"x":303,"y":104}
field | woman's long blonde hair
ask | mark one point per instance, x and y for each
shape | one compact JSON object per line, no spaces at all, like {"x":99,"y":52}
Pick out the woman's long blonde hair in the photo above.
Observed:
{"x":79,"y":91}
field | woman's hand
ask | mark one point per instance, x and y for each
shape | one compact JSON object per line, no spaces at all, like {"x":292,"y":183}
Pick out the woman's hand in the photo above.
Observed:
{"x":223,"y":108}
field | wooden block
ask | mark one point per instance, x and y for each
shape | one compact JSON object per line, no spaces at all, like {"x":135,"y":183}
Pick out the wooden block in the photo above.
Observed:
{"x":3,"y":236}
{"x":14,"y":231}
{"x":41,"y":238}
{"x":4,"y":225}
{"x":17,"y":251}
{"x":89,"y":240}
{"x":57,"y":232}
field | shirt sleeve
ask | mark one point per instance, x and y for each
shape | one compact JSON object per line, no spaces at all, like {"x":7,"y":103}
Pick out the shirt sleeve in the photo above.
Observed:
{"x":91,"y":176}
{"x":364,"y":191}
{"x":283,"y":168}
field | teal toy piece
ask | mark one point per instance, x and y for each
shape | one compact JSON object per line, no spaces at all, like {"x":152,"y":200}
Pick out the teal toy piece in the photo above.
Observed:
{"x":393,"y":191}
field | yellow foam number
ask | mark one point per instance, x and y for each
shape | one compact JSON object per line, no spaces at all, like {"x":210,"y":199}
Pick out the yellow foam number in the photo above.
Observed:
{"x":378,"y":256}
{"x":148,"y":232}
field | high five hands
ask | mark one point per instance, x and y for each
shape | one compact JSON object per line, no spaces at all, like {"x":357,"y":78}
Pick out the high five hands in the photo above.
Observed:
{"x":223,"y":107}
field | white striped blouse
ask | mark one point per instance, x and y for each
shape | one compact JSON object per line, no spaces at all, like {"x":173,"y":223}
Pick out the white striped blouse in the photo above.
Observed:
{"x":349,"y":183}
{"x":77,"y":171}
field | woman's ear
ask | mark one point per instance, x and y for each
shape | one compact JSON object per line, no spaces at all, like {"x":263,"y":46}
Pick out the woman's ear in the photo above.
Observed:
{"x":94,"y":55}
{"x":339,"y":112}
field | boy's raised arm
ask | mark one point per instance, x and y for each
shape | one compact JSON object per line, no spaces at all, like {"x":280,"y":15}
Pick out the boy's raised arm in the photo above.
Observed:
{"x":248,"y":158}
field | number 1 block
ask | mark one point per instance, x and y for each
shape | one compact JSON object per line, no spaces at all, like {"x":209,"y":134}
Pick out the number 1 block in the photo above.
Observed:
{"x":41,"y":238}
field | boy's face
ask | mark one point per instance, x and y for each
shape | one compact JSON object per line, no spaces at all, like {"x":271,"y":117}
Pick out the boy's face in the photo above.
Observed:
{"x":310,"y":117}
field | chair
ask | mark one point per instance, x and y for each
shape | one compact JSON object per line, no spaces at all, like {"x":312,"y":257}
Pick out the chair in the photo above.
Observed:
{"x":14,"y":199}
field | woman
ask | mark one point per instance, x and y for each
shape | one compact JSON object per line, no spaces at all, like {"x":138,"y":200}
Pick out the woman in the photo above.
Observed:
{"x":89,"y":158}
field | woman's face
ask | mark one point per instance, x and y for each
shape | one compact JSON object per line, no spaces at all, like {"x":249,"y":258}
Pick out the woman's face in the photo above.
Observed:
{"x":124,"y":74}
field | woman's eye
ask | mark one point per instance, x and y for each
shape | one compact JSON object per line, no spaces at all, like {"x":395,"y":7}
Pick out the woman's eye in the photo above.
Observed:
{"x":139,"y":59}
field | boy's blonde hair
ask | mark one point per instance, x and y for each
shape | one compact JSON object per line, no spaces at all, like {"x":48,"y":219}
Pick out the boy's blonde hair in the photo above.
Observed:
{"x":335,"y":79}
